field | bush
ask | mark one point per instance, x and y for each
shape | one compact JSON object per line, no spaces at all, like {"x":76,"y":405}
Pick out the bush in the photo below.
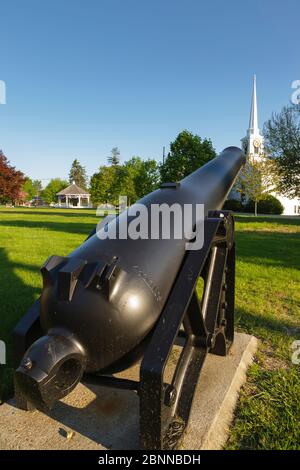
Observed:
{"x":268,"y":205}
{"x":233,"y":205}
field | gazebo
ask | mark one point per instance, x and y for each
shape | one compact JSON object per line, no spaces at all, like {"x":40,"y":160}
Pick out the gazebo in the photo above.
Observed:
{"x":73,"y":196}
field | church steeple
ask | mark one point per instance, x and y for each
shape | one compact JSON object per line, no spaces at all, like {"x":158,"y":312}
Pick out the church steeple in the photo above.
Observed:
{"x":253,"y":143}
{"x":253,"y":122}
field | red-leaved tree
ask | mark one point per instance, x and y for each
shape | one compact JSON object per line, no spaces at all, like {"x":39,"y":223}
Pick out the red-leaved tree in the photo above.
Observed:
{"x":11,"y":181}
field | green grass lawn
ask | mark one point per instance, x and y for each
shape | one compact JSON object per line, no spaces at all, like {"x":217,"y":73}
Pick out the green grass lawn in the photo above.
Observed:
{"x":267,"y":305}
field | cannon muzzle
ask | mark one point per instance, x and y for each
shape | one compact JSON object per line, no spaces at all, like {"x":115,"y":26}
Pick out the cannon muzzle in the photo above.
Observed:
{"x":50,"y":369}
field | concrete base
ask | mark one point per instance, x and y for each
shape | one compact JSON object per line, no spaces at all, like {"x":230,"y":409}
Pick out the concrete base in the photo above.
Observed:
{"x":101,"y":418}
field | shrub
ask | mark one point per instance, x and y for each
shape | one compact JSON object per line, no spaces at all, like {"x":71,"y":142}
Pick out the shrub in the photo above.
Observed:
{"x":268,"y":205}
{"x":233,"y":205}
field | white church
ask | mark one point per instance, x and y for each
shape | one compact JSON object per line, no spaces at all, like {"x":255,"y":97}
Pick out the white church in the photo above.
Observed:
{"x":253,"y":146}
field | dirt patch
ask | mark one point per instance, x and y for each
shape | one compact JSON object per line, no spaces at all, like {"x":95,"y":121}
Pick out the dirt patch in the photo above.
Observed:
{"x":269,"y":361}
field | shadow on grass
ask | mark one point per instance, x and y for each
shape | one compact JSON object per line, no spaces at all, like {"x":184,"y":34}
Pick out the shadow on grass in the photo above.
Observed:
{"x":265,"y":326}
{"x":76,"y":227}
{"x":271,"y":248}
{"x":16,"y":298}
{"x":276,"y":220}
{"x":52,"y":212}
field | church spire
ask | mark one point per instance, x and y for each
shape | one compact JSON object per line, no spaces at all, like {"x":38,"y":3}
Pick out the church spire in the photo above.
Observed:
{"x":253,"y":123}
{"x":253,"y":143}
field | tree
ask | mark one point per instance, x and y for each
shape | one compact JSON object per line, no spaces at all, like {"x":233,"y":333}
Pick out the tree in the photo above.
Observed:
{"x":269,"y":204}
{"x":146,"y":175}
{"x":31,"y":188}
{"x":148,"y":179}
{"x":251,"y":184}
{"x":136,"y":178}
{"x":257,"y":178}
{"x":124,"y":183}
{"x":114,"y":158}
{"x":78,"y":174}
{"x":282,"y":141}
{"x":52,"y":188}
{"x":11,"y":181}
{"x":101,"y":187}
{"x":133,"y":179}
{"x":187,"y":153}
{"x":37,"y":185}
{"x":28,"y":189}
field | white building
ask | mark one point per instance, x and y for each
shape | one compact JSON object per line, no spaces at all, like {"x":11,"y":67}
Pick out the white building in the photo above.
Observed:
{"x":73,"y":197}
{"x":253,"y":146}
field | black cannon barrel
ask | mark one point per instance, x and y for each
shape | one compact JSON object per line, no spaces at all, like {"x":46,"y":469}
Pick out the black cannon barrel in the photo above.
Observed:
{"x":100,"y":303}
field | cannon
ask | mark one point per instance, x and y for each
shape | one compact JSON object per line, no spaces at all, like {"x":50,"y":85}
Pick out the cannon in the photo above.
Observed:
{"x":114,"y":302}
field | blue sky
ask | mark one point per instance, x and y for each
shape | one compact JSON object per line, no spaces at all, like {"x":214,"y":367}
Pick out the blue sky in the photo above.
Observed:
{"x":85,"y":76}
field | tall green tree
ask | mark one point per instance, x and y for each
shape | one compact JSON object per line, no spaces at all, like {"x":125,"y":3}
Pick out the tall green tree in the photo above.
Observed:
{"x":32,"y":188}
{"x":37,"y":185}
{"x":133,"y":179}
{"x":28,"y":189}
{"x":137,"y":177}
{"x":187,"y":153}
{"x":145,"y":174}
{"x":124,"y":183}
{"x":102,"y":186}
{"x":52,"y":188}
{"x":114,"y":158}
{"x":282,"y":141}
{"x":78,"y":174}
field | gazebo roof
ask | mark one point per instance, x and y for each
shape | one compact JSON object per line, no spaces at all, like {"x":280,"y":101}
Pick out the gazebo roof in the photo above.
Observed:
{"x":73,"y":190}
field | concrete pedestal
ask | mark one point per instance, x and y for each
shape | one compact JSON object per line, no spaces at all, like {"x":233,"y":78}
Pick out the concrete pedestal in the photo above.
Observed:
{"x":101,"y":418}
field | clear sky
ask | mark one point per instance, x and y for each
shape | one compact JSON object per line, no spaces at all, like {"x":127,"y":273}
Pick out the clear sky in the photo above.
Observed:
{"x":85,"y":76}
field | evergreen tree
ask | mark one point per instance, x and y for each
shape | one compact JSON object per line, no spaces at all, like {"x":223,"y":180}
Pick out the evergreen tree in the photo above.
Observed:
{"x":78,"y":174}
{"x":114,"y":158}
